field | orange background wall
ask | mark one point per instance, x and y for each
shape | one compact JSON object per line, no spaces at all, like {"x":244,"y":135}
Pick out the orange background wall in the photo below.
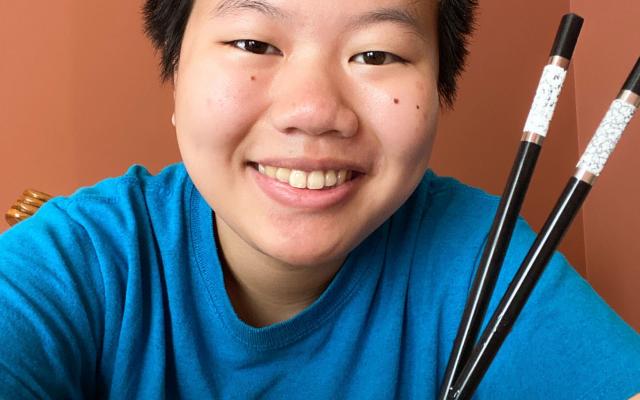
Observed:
{"x":80,"y":100}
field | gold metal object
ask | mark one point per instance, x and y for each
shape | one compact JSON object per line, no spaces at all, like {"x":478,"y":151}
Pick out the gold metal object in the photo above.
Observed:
{"x":32,"y":201}
{"x":14,"y":216}
{"x":26,"y":206}
{"x":37,"y":195}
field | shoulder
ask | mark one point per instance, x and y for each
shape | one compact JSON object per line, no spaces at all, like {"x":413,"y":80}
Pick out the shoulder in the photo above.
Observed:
{"x":137,"y":179}
{"x":100,"y":218}
{"x":450,"y":196}
{"x":454,"y":220}
{"x":115,"y":201}
{"x":442,"y":227}
{"x":450,"y":232}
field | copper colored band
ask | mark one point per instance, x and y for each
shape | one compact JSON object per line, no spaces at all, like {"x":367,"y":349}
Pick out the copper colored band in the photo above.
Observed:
{"x":585,"y":176}
{"x":629,"y":97}
{"x":559,"y":61}
{"x":532,"y":137}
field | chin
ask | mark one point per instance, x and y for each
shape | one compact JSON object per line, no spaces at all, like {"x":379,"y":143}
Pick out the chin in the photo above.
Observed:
{"x":306,"y":253}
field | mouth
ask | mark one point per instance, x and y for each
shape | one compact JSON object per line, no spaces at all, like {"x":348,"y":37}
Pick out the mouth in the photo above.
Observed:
{"x":320,"y":179}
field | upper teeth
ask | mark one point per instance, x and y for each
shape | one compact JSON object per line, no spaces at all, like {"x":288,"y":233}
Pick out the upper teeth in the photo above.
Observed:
{"x":309,"y":180}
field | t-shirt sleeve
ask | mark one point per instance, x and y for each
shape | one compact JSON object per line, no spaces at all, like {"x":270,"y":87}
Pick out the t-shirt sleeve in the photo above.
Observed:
{"x":50,"y":300}
{"x":566,"y":344}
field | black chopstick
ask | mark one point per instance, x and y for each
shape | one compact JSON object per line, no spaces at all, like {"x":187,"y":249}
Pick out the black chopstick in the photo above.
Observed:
{"x":588,"y":169}
{"x":513,"y":196}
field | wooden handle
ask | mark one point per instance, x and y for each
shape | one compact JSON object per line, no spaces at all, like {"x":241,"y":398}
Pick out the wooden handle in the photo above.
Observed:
{"x":26,"y":206}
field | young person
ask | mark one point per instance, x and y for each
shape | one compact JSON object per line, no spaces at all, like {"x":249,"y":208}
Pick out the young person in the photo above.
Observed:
{"x":302,"y":249}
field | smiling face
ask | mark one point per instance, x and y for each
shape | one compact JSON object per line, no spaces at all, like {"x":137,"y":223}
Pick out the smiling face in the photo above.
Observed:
{"x":306,"y":85}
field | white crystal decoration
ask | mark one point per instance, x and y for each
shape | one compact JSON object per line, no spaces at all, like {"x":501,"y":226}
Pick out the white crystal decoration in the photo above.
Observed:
{"x":545,"y":100}
{"x":606,"y":137}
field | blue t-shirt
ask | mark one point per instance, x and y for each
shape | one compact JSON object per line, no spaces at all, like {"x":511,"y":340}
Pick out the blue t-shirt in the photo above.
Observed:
{"x":117,"y":292}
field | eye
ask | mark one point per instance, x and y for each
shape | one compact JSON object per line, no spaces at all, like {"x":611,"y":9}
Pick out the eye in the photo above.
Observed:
{"x":254,"y":46}
{"x":377,"y":57}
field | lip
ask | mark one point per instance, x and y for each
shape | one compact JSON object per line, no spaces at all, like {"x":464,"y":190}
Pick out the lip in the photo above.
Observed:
{"x":308,"y":165}
{"x":311,"y":199}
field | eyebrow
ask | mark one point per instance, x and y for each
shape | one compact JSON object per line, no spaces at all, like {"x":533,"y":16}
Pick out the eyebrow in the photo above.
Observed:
{"x":230,"y":6}
{"x":398,"y":16}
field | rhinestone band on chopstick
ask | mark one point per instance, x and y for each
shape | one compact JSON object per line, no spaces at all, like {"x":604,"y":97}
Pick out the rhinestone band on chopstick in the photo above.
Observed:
{"x":545,"y":100}
{"x":606,"y":137}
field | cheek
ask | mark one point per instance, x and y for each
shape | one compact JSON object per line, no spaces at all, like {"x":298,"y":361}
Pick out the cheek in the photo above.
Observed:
{"x":216,"y":104}
{"x":404,"y":118}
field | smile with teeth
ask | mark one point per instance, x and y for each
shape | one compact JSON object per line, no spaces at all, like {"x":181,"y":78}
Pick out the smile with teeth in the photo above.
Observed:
{"x":307,"y":180}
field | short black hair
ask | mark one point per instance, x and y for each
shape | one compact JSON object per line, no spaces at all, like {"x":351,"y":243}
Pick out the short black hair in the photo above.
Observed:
{"x":165,"y":22}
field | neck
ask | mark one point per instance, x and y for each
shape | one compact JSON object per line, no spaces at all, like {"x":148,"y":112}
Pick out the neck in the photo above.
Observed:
{"x":263,"y":290}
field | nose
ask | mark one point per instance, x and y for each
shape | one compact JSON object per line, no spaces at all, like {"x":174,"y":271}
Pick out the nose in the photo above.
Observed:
{"x":308,"y":99}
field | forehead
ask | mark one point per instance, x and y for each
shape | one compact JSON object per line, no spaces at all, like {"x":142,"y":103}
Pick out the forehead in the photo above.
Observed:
{"x":415,"y":15}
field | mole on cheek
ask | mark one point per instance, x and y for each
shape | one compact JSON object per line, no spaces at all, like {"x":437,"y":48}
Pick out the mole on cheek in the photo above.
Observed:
{"x":417,"y":107}
{"x":253,"y":78}
{"x":396,"y":101}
